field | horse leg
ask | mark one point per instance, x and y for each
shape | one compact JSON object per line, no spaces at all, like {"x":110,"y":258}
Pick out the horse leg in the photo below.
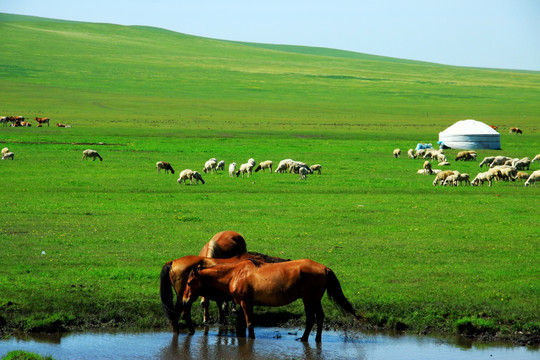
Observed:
{"x":319,"y":313}
{"x":248,"y":312}
{"x":222,"y":307}
{"x":310,"y":320}
{"x":187,"y":317}
{"x":205,"y":303}
{"x":240,"y":324}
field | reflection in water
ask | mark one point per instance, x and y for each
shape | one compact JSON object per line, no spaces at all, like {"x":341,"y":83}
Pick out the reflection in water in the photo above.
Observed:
{"x":271,"y":343}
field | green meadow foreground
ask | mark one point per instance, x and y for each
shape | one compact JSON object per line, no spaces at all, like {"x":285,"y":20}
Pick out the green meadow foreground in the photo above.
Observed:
{"x":83,"y":242}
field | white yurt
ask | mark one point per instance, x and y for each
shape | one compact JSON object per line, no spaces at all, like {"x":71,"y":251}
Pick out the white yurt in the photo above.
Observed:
{"x":470,"y":134}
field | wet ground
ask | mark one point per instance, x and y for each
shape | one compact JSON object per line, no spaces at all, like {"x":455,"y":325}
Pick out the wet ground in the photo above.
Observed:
{"x":271,"y":343}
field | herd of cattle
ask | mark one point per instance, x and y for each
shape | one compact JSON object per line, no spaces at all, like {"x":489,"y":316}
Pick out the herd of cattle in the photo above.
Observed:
{"x":500,"y":168}
{"x":16,"y":121}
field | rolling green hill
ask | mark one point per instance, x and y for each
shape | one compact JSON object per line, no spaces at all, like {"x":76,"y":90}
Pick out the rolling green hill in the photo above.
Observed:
{"x":86,"y":73}
{"x":409,"y":255}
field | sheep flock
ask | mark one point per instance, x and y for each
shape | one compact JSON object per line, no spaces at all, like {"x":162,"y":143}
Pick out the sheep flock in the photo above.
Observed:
{"x":497,"y":168}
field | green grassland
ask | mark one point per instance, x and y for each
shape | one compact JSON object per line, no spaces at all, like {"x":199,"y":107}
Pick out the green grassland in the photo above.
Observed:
{"x":408,"y":255}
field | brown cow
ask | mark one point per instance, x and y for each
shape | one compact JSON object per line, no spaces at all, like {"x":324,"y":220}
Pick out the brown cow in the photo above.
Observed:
{"x":42,"y":120}
{"x":515,"y":130}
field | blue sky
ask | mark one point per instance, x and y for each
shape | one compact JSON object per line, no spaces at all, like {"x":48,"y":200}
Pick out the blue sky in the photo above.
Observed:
{"x":480,"y":33}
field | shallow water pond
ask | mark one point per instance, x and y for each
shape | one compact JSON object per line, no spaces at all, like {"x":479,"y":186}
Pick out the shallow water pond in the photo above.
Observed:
{"x":271,"y":343}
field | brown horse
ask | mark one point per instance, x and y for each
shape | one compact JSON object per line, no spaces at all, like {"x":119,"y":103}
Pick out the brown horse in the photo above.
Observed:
{"x":252,"y":283}
{"x":223,"y":245}
{"x":175,"y":275}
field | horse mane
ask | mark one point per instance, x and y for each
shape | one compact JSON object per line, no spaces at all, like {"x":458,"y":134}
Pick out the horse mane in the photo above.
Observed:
{"x":255,"y":262}
{"x":266,"y":258}
{"x":213,"y":250}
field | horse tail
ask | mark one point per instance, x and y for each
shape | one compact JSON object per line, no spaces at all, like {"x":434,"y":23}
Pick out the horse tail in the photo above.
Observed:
{"x":166,"y":294}
{"x":333,"y":289}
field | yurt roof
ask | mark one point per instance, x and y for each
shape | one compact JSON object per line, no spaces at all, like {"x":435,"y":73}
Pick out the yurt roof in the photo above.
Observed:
{"x":469,"y":127}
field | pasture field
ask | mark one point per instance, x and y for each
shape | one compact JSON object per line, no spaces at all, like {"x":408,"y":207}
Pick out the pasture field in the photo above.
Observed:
{"x":408,"y":255}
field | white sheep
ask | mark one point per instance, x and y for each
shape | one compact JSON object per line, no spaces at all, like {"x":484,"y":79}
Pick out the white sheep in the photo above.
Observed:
{"x":220,"y":165}
{"x":8,"y":155}
{"x":441,"y":157}
{"x":252,"y":162}
{"x":91,"y":153}
{"x":232,"y":169}
{"x":420,"y":153}
{"x":481,"y":178}
{"x":533,"y":179}
{"x":265,"y":165}
{"x":444,"y":163}
{"x":522,"y":164}
{"x":499,"y":160}
{"x":425,"y":172}
{"x":463,"y":178}
{"x":284,"y":165}
{"x":397,"y":153}
{"x":185,"y":175}
{"x":246,"y":168}
{"x":536,"y":158}
{"x":439,"y":179}
{"x":411,"y":154}
{"x":450,"y":180}
{"x":210,"y":166}
{"x":316,"y":167}
{"x":487,"y":160}
{"x":303,"y":171}
{"x":5,"y":151}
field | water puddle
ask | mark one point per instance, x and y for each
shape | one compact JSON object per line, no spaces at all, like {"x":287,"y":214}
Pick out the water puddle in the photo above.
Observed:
{"x":271,"y":343}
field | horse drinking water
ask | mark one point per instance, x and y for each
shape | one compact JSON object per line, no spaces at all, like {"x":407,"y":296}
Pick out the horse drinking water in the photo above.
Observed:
{"x":251,"y":283}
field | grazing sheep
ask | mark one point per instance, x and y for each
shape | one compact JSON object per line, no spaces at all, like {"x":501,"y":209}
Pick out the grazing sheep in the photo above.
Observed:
{"x":303,"y":171}
{"x":190,"y":175}
{"x":499,"y":160}
{"x":463,"y":178}
{"x":487,"y":160}
{"x":533,"y":179}
{"x":8,"y":155}
{"x":185,"y":175}
{"x":91,"y":153}
{"x":450,"y":180}
{"x":397,"y":153}
{"x":284,"y":165}
{"x":5,"y":151}
{"x":441,"y":157}
{"x":232,"y":169}
{"x":439,"y":179}
{"x":523,"y":164}
{"x":427,"y":168}
{"x":420,"y":153}
{"x":210,"y":166}
{"x":522,"y":175}
{"x":536,"y":158}
{"x":265,"y":165}
{"x":252,"y":162}
{"x":246,"y":168}
{"x":197,"y":177}
{"x":295,"y":165}
{"x":164,"y":165}
{"x":508,"y":173}
{"x":316,"y":167}
{"x":466,"y":155}
{"x":481,"y":178}
{"x":220,"y":165}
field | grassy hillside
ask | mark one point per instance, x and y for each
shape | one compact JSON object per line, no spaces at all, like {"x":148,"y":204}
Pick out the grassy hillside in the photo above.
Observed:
{"x":409,"y":255}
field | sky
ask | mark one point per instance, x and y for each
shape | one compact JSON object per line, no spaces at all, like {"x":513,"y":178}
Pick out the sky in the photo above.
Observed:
{"x":478,"y":33}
